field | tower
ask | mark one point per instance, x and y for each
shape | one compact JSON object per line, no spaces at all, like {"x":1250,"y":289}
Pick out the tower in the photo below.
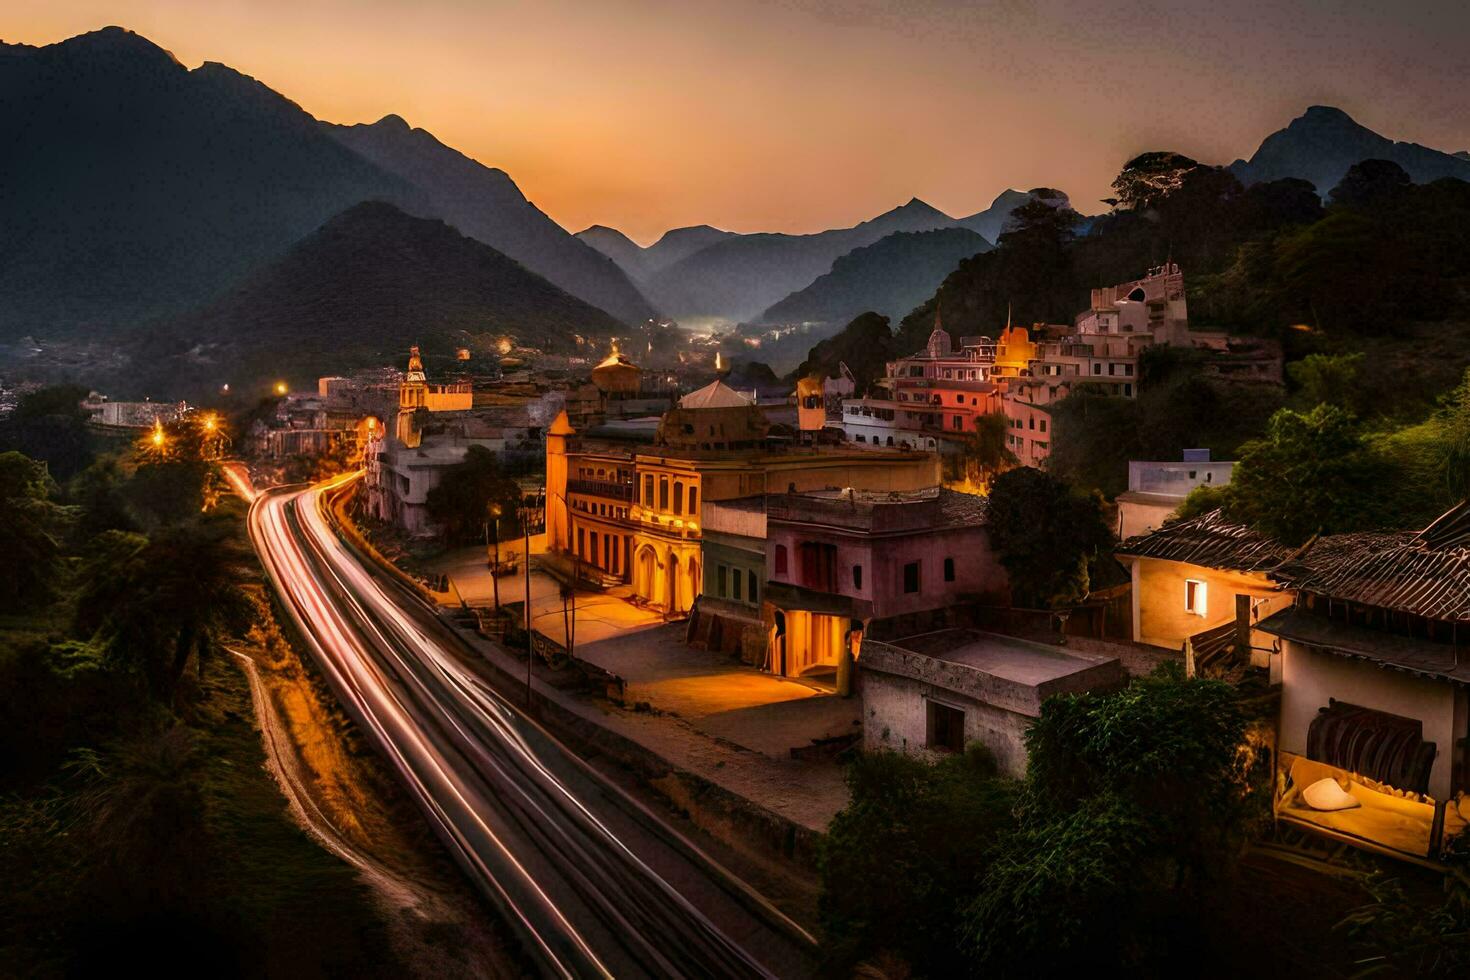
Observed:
{"x":412,"y":396}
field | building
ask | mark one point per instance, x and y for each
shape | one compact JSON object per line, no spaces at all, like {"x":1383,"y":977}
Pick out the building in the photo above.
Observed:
{"x":619,"y":389}
{"x":935,"y":693}
{"x":624,"y":502}
{"x":1156,"y":489}
{"x":838,"y":560}
{"x":1361,"y":632}
{"x":432,"y":428}
{"x":1196,"y":577}
{"x":733,"y":555}
{"x":1375,"y":685}
{"x":131,"y":415}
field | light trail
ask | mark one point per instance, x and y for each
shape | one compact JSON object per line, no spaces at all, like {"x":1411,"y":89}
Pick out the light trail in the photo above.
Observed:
{"x":595,"y":884}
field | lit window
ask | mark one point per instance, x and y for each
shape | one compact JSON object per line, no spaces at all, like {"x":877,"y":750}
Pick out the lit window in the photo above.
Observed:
{"x":1195,"y":597}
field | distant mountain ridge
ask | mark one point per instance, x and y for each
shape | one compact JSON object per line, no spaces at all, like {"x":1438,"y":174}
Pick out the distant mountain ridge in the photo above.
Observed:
{"x":739,"y":277}
{"x":357,"y":292}
{"x":889,"y":277}
{"x":485,"y":204}
{"x":132,"y":187}
{"x":1322,"y":143}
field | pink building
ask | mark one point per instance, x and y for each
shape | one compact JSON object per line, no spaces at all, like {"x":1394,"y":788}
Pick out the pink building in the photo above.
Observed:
{"x":838,"y":560}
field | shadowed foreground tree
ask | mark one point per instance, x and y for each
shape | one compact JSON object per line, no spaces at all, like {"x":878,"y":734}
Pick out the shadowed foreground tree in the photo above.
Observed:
{"x":1135,"y":807}
{"x":463,"y":497}
{"x":30,"y":528}
{"x":1046,"y":534}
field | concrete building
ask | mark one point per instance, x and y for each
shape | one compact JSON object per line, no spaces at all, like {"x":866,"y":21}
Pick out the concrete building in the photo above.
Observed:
{"x":627,"y":507}
{"x":1156,"y":489}
{"x":1375,"y":686}
{"x":131,"y":415}
{"x":935,"y":693}
{"x":836,"y":561}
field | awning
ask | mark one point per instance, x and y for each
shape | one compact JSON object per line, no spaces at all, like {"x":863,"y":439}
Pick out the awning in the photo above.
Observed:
{"x":794,"y":597}
{"x":1439,"y":660}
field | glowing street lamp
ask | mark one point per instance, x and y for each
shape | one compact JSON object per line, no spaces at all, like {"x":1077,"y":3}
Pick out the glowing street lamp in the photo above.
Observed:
{"x":280,"y":387}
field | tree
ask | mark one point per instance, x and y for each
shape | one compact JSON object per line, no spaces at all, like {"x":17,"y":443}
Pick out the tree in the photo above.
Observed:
{"x":463,"y":497}
{"x":1135,"y":806}
{"x":984,"y":454}
{"x":1310,"y":474}
{"x":160,"y":603}
{"x":905,"y":853}
{"x":1370,"y":182}
{"x":30,"y":527}
{"x":1329,"y":379}
{"x":1453,"y":457}
{"x":1046,"y":534}
{"x":49,"y":425}
{"x":1150,"y":177}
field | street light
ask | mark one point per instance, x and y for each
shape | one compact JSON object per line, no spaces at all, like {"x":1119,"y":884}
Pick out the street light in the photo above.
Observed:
{"x":280,"y":387}
{"x":532,"y":510}
{"x":494,"y":524}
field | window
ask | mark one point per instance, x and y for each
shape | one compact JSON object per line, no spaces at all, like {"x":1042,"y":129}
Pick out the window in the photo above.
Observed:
{"x":648,"y":490}
{"x":857,"y":577}
{"x":1097,"y":367}
{"x":581,"y":542}
{"x":693,"y":501}
{"x":949,"y":569}
{"x":945,"y":728}
{"x":911,"y":577}
{"x":678,"y":497}
{"x":663,"y":493}
{"x":959,"y":423}
{"x":752,"y":594}
{"x":720,"y":581}
{"x":736,"y":584}
{"x":1196,"y":598}
{"x":780,"y":559}
{"x":1043,"y":425}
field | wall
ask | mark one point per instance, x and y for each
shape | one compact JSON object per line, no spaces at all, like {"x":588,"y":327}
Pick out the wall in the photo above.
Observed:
{"x":895,"y":716}
{"x":1309,"y":678}
{"x":1138,"y":516}
{"x":1158,"y":599}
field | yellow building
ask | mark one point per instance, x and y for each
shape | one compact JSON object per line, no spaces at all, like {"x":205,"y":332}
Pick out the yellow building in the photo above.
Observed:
{"x":629,"y":512}
{"x":1199,"y":575}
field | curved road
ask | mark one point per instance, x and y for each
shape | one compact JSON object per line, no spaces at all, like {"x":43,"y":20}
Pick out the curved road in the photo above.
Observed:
{"x":595,"y":884}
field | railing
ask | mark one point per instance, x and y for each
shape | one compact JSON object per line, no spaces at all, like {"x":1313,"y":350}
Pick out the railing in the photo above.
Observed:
{"x":601,"y":488}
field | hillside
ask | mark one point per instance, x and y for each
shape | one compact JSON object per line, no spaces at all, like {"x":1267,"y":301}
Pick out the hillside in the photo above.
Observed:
{"x":1322,"y":143}
{"x":739,"y":277}
{"x":131,"y":186}
{"x":628,"y":254}
{"x":357,"y":292}
{"x":485,"y":204}
{"x":890,"y":277}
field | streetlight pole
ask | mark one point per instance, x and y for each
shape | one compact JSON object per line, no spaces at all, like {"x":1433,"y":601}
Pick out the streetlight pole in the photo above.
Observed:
{"x":528,"y":514}
{"x":494,"y":523}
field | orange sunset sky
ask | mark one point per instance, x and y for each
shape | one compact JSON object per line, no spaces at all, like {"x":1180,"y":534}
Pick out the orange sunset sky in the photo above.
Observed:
{"x":798,"y":115}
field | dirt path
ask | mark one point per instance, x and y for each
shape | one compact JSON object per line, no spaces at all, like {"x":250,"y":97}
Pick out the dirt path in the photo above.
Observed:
{"x":334,"y":791}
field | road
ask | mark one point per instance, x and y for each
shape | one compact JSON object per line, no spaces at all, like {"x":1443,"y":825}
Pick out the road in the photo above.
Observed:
{"x":593,"y":882}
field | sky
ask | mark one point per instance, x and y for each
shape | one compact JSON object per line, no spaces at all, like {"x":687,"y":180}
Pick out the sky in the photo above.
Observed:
{"x":800,"y":115}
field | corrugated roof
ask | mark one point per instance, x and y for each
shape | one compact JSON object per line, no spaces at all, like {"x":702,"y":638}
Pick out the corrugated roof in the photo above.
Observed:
{"x":1211,"y":541}
{"x":1390,"y":570}
{"x":1387,"y":649}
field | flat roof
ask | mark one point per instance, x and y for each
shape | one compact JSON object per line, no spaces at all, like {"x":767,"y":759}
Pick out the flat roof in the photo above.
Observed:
{"x":1007,"y":657}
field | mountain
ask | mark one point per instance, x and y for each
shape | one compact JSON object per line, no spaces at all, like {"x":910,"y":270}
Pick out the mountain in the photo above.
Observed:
{"x":1322,"y":143}
{"x":740,"y":276}
{"x":628,"y":254}
{"x":639,"y":262}
{"x":891,"y":276}
{"x":485,"y":204}
{"x":991,"y":222}
{"x":131,"y":186}
{"x":357,"y":292}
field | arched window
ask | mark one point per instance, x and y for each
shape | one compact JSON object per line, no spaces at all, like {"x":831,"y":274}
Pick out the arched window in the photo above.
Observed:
{"x":693,"y":501}
{"x":678,"y":497}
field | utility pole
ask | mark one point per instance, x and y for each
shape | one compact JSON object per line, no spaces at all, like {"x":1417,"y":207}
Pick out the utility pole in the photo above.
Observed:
{"x":530,"y":645}
{"x":495,"y":565}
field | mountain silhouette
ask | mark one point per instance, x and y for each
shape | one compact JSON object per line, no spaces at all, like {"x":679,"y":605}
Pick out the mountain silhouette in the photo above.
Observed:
{"x":485,"y":204}
{"x":355,"y":293}
{"x":131,"y":186}
{"x":740,"y":276}
{"x":891,"y":277}
{"x":1322,"y":143}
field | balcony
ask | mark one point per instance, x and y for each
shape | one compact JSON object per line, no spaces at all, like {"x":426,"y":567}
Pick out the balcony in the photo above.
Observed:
{"x":601,"y":488}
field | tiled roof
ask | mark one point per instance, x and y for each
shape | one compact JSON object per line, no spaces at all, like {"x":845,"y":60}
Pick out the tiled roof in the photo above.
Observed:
{"x":1211,"y":541}
{"x":1391,"y":570}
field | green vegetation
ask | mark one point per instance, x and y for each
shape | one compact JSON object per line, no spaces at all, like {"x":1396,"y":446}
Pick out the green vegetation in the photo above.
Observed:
{"x":1118,"y":847}
{"x":1048,"y":535}
{"x":463,"y":501}
{"x":865,"y":345}
{"x":140,"y":827}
